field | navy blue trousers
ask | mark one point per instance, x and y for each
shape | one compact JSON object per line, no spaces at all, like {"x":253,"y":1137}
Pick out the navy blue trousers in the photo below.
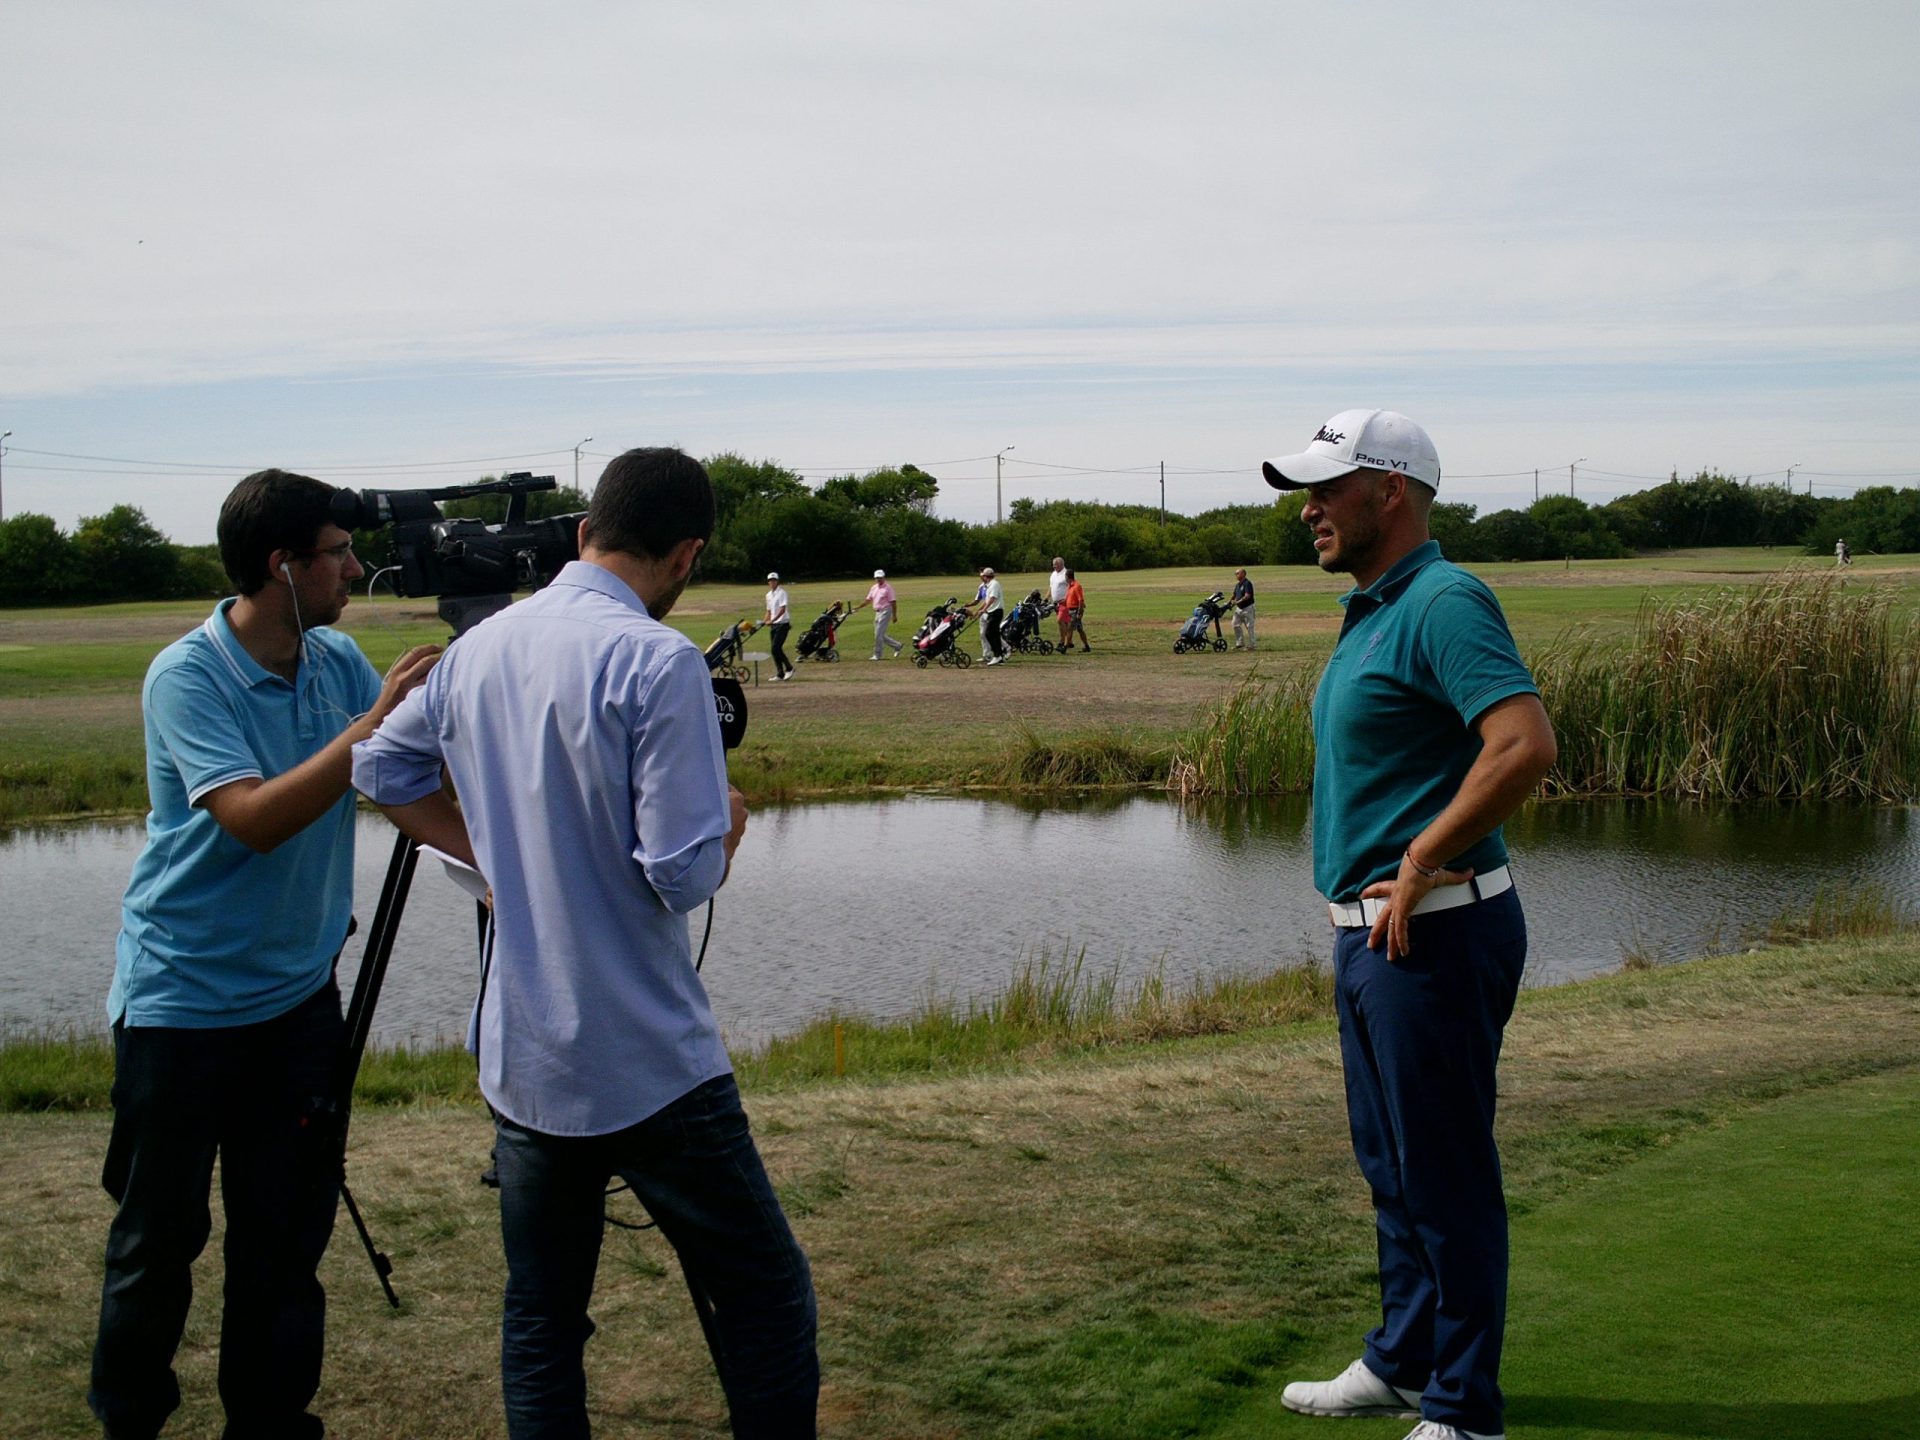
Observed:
{"x":1420,"y":1040}
{"x":694,"y":1166}
{"x":261,"y":1097}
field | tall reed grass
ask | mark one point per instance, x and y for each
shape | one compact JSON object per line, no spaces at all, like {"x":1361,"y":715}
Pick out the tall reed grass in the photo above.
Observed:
{"x":1258,"y":741}
{"x":81,"y":785}
{"x":1036,"y":762}
{"x":1052,"y":1004}
{"x":1798,"y":688}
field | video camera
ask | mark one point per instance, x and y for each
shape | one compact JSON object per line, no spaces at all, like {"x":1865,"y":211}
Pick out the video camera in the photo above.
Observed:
{"x":475,"y":567}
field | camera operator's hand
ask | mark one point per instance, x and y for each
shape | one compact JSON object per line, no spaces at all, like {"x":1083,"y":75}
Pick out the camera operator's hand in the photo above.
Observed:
{"x":403,"y":677}
{"x":264,"y":814}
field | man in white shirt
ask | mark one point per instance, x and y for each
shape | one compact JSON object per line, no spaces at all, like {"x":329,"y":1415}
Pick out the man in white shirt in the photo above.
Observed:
{"x":990,"y":605}
{"x":1057,"y":582}
{"x":778,"y":623}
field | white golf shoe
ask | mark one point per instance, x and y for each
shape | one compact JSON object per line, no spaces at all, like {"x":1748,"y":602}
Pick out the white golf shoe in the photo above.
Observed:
{"x":1355,"y":1391}
{"x":1434,"y":1430}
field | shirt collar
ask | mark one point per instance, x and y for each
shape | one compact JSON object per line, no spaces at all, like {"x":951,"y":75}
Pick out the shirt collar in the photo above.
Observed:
{"x":249,"y":671}
{"x":1390,"y":584}
{"x":585,"y":575}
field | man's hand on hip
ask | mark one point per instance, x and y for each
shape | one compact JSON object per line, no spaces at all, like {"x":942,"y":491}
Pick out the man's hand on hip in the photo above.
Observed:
{"x":1403,"y":892}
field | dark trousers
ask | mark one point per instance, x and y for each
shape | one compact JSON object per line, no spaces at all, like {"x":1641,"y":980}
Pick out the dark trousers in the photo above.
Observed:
{"x":990,"y":632}
{"x":694,"y":1166}
{"x":262,"y":1098}
{"x":1419,"y":1040}
{"x":778,"y":632}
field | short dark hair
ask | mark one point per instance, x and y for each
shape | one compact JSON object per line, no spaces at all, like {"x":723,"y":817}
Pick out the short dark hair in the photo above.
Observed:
{"x":269,"y":510}
{"x":648,"y":501}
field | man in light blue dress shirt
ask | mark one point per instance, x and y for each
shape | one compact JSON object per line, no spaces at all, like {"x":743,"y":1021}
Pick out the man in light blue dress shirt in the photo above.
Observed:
{"x":581,"y":736}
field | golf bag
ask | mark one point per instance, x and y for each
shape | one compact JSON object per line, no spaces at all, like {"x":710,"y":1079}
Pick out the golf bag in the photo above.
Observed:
{"x":821,"y":642}
{"x":1193,"y":635}
{"x":724,"y":656}
{"x":1021,"y":629}
{"x":936,"y":636}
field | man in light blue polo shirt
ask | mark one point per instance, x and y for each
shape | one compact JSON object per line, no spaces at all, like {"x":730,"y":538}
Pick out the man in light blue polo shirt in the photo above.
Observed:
{"x":226,"y":1020}
{"x":1429,"y":733}
{"x":581,"y":735}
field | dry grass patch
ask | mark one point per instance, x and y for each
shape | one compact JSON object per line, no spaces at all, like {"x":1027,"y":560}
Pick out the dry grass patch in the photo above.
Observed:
{"x":1081,"y":1247}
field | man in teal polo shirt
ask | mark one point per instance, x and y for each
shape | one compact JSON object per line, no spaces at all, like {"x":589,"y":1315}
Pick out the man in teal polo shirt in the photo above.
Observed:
{"x":1429,"y":733}
{"x":226,"y":1019}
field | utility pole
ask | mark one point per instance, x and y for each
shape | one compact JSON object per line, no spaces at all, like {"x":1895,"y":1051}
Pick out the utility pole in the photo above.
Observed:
{"x":998,"y":514}
{"x":1793,"y":467}
{"x":1536,"y":485}
{"x":3,"y":453}
{"x":1581,"y":461}
{"x":576,"y":463}
{"x":1163,"y":494}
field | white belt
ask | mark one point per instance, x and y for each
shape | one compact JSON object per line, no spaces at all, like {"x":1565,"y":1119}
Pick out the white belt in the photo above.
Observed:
{"x":1355,"y":913}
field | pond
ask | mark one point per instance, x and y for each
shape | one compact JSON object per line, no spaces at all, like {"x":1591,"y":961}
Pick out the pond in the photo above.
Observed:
{"x":873,"y":906}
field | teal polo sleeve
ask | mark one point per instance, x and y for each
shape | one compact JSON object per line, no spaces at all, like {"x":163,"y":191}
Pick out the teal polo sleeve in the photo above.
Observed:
{"x":193,"y":721}
{"x":1470,"y":651}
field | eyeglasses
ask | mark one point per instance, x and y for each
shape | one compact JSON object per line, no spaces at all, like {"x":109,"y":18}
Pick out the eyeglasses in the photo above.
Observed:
{"x":332,"y":552}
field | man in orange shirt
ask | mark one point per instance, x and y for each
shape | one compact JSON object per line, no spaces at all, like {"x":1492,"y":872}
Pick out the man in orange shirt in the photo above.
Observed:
{"x":1071,"y":610}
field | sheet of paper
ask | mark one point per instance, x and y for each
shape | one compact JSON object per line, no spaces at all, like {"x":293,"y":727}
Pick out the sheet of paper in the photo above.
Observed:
{"x":458,"y":871}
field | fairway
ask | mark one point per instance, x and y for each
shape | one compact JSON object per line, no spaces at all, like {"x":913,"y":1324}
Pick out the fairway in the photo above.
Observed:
{"x":70,"y":678}
{"x":1753,"y":1280}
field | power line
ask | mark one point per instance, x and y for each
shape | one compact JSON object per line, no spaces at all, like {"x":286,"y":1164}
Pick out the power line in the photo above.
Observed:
{"x":204,"y":468}
{"x":1058,"y":472}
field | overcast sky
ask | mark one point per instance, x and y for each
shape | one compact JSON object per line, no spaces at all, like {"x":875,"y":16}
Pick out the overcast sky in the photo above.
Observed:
{"x":387,"y":235}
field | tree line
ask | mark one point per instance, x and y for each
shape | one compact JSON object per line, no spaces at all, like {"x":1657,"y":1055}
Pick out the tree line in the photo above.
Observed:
{"x":769,"y":518}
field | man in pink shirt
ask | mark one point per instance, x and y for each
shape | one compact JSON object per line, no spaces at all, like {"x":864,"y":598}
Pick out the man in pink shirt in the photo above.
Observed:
{"x":885,"y":606}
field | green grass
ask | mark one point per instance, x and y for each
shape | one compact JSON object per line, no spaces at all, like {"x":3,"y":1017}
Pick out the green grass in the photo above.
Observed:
{"x":63,"y":1070}
{"x":1135,"y":1240}
{"x":1053,"y":1006}
{"x":1751,"y":1279}
{"x":70,"y":736}
{"x":107,"y":782}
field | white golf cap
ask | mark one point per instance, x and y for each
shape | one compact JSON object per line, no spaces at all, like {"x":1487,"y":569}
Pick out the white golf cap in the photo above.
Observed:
{"x":1355,"y":440}
{"x":879,"y":574}
{"x":773,"y":574}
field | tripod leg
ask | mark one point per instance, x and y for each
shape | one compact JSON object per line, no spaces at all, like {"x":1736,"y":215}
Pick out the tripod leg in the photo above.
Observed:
{"x":373,"y":961}
{"x":382,"y":1266}
{"x":366,"y":995}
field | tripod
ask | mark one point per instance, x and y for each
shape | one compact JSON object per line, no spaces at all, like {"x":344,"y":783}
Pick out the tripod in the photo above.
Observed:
{"x":462,"y":613}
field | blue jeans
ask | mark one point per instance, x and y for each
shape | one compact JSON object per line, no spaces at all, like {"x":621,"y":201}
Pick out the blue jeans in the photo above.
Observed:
{"x":1419,"y":1041}
{"x":694,"y":1167}
{"x":262,"y":1097}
